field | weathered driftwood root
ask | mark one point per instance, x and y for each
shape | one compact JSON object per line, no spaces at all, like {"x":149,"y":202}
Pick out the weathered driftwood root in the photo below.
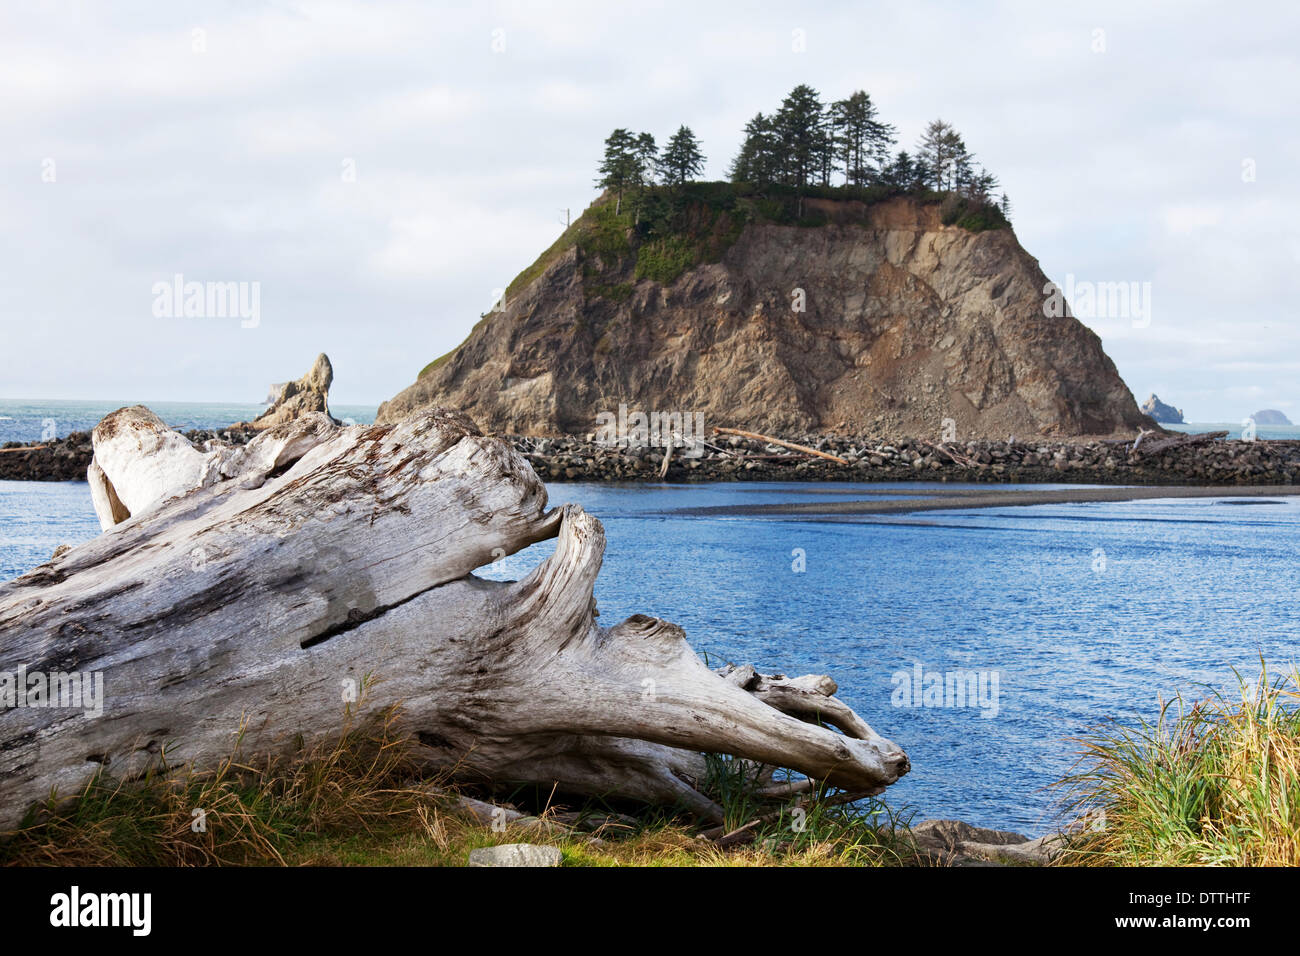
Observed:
{"x":259,"y":586}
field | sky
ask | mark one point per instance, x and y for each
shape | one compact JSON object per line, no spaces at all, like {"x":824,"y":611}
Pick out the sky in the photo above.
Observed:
{"x":373,"y":172}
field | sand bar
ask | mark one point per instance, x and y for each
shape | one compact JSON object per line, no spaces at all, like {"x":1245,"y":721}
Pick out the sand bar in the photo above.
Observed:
{"x":942,"y":499}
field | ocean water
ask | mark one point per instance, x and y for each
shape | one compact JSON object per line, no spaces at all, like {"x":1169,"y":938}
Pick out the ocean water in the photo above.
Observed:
{"x":24,"y":421}
{"x":1084,"y":612}
{"x":1237,"y":429}
{"x":38,"y":516}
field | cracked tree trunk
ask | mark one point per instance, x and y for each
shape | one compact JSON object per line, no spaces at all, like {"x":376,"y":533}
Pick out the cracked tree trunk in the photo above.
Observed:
{"x":255,"y":587}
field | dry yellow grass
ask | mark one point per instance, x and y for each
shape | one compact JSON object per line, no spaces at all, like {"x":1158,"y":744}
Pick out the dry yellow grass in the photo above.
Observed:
{"x":364,"y":800}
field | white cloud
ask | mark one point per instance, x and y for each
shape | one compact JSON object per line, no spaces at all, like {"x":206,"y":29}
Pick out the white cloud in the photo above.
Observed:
{"x":1121,"y":165}
{"x":564,"y":97}
{"x":1185,"y":218}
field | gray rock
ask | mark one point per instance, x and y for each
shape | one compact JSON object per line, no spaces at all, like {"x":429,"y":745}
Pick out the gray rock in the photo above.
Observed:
{"x":293,"y":399}
{"x":515,"y":854}
{"x":960,"y":844}
{"x":1270,"y":416}
{"x":1158,"y":410}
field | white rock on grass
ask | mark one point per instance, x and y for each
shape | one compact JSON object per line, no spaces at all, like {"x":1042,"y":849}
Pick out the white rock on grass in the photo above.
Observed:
{"x":515,"y":854}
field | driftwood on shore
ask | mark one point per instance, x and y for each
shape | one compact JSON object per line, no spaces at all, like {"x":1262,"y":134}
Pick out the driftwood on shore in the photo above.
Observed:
{"x":259,"y":590}
{"x":952,"y":456}
{"x":1147,"y":448}
{"x":777,"y":441}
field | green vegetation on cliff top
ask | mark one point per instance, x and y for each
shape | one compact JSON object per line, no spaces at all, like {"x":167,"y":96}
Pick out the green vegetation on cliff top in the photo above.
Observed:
{"x":672,"y":229}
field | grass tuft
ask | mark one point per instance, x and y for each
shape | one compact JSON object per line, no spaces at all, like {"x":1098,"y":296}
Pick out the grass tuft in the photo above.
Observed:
{"x":365,"y":800}
{"x":1213,"y":783}
{"x":241,"y":813}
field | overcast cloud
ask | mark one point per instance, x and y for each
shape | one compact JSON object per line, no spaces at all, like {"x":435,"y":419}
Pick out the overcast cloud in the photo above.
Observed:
{"x":229,"y":162}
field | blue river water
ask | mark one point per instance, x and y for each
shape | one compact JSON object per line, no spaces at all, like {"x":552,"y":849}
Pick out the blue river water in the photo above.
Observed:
{"x":1082,"y":611}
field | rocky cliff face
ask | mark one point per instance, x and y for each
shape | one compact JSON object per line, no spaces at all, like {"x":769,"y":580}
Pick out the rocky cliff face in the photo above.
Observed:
{"x":882,"y":320}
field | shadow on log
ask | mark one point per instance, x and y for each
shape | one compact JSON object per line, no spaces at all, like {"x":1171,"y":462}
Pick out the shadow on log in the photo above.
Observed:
{"x":257,"y":586}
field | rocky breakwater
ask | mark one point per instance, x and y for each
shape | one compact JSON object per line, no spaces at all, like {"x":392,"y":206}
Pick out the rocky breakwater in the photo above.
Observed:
{"x":1176,"y":461}
{"x":66,"y":459}
{"x":1179,"y":460}
{"x":60,"y":459}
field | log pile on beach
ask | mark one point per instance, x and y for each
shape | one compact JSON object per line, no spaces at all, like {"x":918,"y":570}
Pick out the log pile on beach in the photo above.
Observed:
{"x":1156,"y":460}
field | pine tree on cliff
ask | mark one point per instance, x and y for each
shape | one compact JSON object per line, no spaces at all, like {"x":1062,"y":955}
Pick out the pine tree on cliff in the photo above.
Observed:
{"x":621,"y":168}
{"x":981,"y":186}
{"x":758,"y":161}
{"x":682,"y":160}
{"x":800,"y":126}
{"x":944,"y":156}
{"x":803,"y":143}
{"x":826,"y":149}
{"x":647,"y":161}
{"x":903,"y":173}
{"x":861,"y":141}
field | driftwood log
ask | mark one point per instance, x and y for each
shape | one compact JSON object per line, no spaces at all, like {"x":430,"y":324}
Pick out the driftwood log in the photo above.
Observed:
{"x":755,"y":436}
{"x":251,"y":587}
{"x":1148,"y":448}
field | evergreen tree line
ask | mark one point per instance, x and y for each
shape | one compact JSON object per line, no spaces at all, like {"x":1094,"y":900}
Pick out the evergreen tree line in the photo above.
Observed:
{"x":806,"y":143}
{"x":633,"y":161}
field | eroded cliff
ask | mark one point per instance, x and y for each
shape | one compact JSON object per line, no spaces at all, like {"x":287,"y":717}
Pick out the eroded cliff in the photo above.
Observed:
{"x":879,"y":319}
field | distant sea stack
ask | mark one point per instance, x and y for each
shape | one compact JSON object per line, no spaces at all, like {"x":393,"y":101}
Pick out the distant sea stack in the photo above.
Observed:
{"x":1270,"y":416}
{"x":1162,"y":413}
{"x":292,"y":399}
{"x":767,"y":311}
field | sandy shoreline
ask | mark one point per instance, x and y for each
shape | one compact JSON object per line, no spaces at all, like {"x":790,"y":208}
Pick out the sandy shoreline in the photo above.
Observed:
{"x":943,"y":499}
